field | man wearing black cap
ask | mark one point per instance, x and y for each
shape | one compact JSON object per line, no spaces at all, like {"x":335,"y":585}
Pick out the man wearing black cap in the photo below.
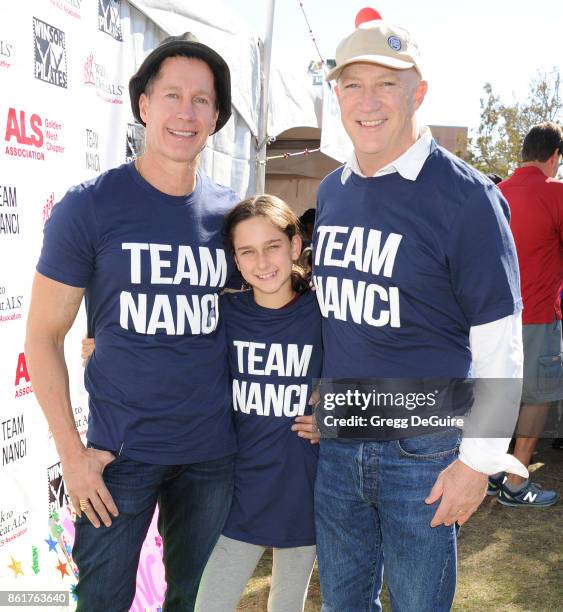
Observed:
{"x":142,"y":243}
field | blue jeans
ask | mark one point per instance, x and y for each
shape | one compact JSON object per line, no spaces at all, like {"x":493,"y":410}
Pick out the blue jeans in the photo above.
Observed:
{"x":193,"y":501}
{"x":369,"y":507}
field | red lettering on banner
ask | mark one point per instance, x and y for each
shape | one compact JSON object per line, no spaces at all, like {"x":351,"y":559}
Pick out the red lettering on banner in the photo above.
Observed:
{"x":17,"y":130}
{"x":48,"y":208}
{"x":23,"y":391}
{"x":21,"y":370}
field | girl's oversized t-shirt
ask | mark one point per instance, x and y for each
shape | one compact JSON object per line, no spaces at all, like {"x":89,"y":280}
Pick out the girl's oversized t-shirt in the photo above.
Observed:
{"x":274,"y":355}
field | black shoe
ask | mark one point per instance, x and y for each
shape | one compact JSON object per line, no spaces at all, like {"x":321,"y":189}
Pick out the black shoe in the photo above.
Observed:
{"x":495,"y":484}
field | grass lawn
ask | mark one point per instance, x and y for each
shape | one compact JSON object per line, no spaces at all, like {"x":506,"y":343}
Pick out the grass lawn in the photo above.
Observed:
{"x":510,"y":559}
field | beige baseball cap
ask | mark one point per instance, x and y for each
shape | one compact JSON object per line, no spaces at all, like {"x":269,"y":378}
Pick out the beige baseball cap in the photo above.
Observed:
{"x":377,"y":42}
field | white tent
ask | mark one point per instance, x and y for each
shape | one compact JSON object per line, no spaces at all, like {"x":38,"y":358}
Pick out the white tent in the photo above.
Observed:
{"x":304,"y":117}
{"x":230,"y":156}
{"x":295,"y":110}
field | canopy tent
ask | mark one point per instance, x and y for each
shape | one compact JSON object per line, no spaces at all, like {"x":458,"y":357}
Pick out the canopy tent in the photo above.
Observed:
{"x":300,"y":154}
{"x":295,"y":105}
{"x":230,"y":156}
{"x":296,"y":166}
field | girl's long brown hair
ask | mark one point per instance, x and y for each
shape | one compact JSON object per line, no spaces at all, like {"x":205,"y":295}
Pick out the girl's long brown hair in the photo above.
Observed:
{"x":280,"y":215}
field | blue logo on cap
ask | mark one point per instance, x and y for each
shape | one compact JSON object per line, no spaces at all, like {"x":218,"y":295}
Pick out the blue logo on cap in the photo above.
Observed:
{"x":394,"y":43}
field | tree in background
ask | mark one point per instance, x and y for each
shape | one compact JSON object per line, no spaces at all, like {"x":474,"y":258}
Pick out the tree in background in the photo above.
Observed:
{"x":495,"y":144}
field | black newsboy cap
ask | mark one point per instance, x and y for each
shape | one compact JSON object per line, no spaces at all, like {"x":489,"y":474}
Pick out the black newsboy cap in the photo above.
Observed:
{"x":186,"y":45}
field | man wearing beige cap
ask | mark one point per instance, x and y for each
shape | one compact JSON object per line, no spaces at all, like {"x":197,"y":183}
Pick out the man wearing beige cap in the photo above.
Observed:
{"x":417,"y":278}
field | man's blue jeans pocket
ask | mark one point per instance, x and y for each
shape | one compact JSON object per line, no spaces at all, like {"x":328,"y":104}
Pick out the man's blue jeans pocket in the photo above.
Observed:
{"x":439,"y":445}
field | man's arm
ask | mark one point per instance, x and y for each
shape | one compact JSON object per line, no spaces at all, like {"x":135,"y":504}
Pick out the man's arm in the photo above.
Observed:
{"x":485,"y":280}
{"x":52,"y":312}
{"x":497,"y":354}
{"x":496,"y":350}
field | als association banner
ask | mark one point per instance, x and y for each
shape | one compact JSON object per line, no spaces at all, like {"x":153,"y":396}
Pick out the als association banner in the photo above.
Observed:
{"x":64,"y":118}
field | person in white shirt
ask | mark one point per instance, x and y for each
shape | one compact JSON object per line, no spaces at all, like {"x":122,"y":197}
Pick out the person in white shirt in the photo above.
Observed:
{"x":416,"y":277}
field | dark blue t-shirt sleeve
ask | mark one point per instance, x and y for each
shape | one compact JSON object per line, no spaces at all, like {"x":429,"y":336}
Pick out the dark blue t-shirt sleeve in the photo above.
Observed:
{"x":69,"y":239}
{"x":482,"y":258}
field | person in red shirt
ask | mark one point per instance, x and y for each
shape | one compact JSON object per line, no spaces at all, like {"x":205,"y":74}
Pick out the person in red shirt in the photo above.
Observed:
{"x":536,"y":205}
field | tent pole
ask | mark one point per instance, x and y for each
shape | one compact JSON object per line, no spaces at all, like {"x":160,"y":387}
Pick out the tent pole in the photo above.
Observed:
{"x":263,"y":128}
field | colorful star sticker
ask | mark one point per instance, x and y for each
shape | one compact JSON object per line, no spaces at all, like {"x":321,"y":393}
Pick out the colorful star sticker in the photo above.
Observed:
{"x":73,"y":592}
{"x":52,"y":544}
{"x":55,"y":515}
{"x":16,"y":567}
{"x":62,"y":568}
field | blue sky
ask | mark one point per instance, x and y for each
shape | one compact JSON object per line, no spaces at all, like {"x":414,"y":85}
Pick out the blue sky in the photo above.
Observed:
{"x":464,"y":43}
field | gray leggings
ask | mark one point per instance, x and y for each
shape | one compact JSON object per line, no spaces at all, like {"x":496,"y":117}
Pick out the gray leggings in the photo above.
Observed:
{"x":231,"y":565}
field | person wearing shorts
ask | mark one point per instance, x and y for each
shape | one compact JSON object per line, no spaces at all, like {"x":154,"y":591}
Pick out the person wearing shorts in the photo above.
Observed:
{"x":536,"y":203}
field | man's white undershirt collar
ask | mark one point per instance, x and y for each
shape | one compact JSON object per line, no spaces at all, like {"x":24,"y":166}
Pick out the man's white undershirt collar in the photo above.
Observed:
{"x":408,"y":165}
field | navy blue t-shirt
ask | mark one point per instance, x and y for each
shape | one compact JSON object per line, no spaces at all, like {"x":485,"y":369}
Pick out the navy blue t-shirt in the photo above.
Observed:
{"x":403,"y":269}
{"x":274,"y":356}
{"x":152,"y":265}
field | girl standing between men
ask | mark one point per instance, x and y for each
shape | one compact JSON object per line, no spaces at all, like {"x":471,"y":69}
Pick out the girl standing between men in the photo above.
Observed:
{"x":275,"y":352}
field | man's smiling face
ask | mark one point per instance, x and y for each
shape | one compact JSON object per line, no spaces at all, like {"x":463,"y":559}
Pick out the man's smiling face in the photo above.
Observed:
{"x":179,"y":109}
{"x":377,"y":107}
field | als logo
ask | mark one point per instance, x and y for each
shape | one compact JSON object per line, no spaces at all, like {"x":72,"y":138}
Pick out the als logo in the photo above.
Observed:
{"x":29,"y":133}
{"x":23,"y":380}
{"x":69,"y":7}
{"x":34,"y":134}
{"x":109,"y":19}
{"x":50,"y":53}
{"x":6,"y":52}
{"x":48,"y":207}
{"x":58,"y":498}
{"x":11,"y":304}
{"x":12,"y":525}
{"x":89,"y":70}
{"x":97,"y":75}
